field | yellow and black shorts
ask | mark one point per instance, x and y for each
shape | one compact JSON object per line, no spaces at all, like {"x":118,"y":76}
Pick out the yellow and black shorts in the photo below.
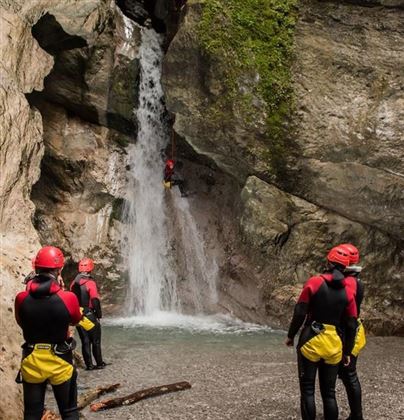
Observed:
{"x":88,"y":320}
{"x":40,"y":364}
{"x":360,"y":339}
{"x":326,"y":345}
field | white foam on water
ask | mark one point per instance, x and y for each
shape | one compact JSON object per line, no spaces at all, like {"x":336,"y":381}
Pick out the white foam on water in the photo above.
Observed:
{"x":218,"y":324}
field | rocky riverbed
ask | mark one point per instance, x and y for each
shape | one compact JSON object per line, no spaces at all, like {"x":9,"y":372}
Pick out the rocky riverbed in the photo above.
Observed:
{"x":235,"y":372}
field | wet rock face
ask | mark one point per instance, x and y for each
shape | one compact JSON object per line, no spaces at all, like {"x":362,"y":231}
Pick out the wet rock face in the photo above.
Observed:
{"x":87,"y":109}
{"x":342,"y":177}
{"x":99,"y":81}
{"x":348,"y":82}
{"x":79,"y":196}
{"x":81,"y":156}
{"x":292,"y":235}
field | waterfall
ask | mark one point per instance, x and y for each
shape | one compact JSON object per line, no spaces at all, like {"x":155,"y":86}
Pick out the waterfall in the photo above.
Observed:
{"x":152,"y":281}
{"x":149,"y":242}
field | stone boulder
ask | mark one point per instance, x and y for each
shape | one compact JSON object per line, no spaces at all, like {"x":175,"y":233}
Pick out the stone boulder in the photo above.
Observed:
{"x":291,"y":236}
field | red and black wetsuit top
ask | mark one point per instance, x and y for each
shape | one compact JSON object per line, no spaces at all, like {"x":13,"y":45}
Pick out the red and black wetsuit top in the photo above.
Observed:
{"x":85,"y":288}
{"x":168,"y":173}
{"x":358,"y":290}
{"x":45,"y":311}
{"x":326,"y":299}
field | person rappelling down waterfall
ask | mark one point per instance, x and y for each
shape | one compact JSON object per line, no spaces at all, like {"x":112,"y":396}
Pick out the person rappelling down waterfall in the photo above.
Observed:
{"x":173,"y":176}
{"x":85,"y":288}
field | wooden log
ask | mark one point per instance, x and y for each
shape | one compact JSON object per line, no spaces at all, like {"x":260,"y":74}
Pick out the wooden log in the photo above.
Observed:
{"x":78,"y":360}
{"x":139,"y":395}
{"x":50,"y":415}
{"x":88,"y":397}
{"x":83,"y":400}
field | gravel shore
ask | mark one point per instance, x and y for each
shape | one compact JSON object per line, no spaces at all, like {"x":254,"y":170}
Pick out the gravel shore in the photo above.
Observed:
{"x":244,"y":377}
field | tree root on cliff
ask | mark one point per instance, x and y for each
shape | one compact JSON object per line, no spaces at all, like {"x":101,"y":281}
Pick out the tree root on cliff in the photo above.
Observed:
{"x":140,"y":395}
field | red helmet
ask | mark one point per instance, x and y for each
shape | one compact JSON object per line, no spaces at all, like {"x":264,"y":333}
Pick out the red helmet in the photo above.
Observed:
{"x":353,"y":253}
{"x":86,"y":265}
{"x":49,"y":257}
{"x":33,"y":263}
{"x":339,"y":255}
{"x":170,"y":163}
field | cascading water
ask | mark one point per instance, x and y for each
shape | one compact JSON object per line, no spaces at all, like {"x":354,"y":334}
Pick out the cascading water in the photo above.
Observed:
{"x":152,"y":281}
{"x":150,"y":245}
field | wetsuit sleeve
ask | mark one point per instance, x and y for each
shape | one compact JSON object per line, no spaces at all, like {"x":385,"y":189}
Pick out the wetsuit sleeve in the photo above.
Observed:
{"x":17,"y":304}
{"x":299,"y":315}
{"x":72,"y":304}
{"x":360,"y":291}
{"x":302,"y":305}
{"x":350,"y":322}
{"x":94,"y":298}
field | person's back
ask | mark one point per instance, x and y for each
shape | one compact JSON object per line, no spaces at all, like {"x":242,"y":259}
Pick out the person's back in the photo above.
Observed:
{"x":85,"y":288}
{"x":324,"y":305}
{"x":44,"y":312}
{"x":327,"y":292}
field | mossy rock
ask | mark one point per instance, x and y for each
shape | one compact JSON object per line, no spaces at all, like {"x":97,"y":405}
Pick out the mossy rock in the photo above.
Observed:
{"x":251,"y":44}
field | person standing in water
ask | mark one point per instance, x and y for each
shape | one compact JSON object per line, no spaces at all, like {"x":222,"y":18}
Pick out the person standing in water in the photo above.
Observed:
{"x":85,"y":288}
{"x":325,"y":304}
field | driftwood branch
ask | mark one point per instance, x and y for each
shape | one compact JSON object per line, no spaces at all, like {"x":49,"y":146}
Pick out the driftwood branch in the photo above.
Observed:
{"x":83,"y":400}
{"x":88,"y":397}
{"x":78,"y":360}
{"x":139,"y":395}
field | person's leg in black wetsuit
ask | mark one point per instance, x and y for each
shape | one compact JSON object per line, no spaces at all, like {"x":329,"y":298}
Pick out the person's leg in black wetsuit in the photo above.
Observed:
{"x":307,"y":380}
{"x":328,"y":377}
{"x":66,"y":398}
{"x":34,"y":400}
{"x":349,"y":377}
{"x":85,"y":347}
{"x":95,"y":338}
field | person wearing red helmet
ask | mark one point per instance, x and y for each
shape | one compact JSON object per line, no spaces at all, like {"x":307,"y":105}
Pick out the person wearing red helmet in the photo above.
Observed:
{"x":349,"y":374}
{"x":172,"y":176}
{"x":324,"y":305}
{"x":44,"y":312}
{"x":85,"y":288}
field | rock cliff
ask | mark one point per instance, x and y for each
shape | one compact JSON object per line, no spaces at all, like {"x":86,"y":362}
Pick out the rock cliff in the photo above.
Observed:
{"x":289,"y":118}
{"x":321,"y":166}
{"x":67,"y":136}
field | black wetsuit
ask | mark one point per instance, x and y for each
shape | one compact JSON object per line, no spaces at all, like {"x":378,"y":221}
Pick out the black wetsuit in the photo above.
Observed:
{"x":44,"y":313}
{"x":84,"y":287}
{"x":175,"y":178}
{"x":325,"y":303}
{"x":348,"y":374}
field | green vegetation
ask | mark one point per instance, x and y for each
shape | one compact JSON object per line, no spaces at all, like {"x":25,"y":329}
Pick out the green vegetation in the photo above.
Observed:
{"x":252,"y":42}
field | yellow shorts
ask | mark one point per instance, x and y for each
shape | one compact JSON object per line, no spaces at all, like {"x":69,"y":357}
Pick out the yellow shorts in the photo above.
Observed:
{"x":326,"y":345}
{"x":43,"y":364}
{"x":86,"y":322}
{"x":360,"y":339}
